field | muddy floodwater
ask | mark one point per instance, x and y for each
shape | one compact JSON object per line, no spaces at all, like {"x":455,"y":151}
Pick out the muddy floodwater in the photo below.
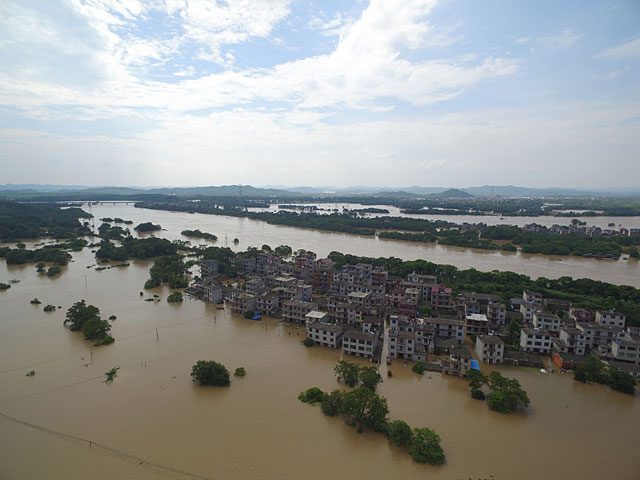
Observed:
{"x":257,"y":428}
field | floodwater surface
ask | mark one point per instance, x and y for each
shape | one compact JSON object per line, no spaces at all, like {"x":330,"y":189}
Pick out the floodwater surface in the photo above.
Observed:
{"x":257,"y":428}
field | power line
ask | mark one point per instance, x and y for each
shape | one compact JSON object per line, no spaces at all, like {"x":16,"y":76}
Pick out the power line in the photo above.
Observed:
{"x":115,"y":451}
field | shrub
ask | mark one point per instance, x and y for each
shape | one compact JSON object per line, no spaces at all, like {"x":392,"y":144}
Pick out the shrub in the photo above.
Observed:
{"x":332,"y":403}
{"x":312,"y":395}
{"x":108,"y":340}
{"x":175,"y":297}
{"x":49,"y":308}
{"x":307,"y":342}
{"x":418,"y":367}
{"x":400,"y":434}
{"x":426,"y":447}
{"x":240,"y":372}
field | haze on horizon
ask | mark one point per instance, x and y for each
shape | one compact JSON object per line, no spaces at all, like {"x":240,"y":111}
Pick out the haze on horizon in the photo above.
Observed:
{"x":282,"y":92}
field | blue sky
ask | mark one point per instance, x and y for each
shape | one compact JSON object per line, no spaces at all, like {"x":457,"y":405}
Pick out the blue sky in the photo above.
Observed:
{"x":385,"y":93}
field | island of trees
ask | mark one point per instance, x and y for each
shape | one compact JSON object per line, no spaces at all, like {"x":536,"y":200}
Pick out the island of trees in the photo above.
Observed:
{"x":198,"y":234}
{"x":147,"y":227}
{"x":86,"y":318}
{"x":363,"y":408}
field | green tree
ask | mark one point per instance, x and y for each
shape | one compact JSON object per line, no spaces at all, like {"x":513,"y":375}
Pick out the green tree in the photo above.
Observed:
{"x":400,"y":434}
{"x":79,"y":313}
{"x":175,"y":297}
{"x":426,"y":447}
{"x":332,"y":403}
{"x":240,"y":372}
{"x":622,"y":381}
{"x":311,"y":395}
{"x":210,"y":373}
{"x":95,"y":329}
{"x":365,"y":408}
{"x":370,"y":377}
{"x":506,"y":393}
{"x":418,"y":367}
{"x":476,"y":380}
{"x":347,"y":372}
{"x":593,"y":370}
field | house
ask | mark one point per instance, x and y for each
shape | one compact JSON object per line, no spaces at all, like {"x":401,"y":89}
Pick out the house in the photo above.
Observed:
{"x":360,"y":344}
{"x":476,"y":324}
{"x":447,"y":328}
{"x":208,"y":268}
{"x":580,"y":315}
{"x":458,"y":362}
{"x":527,"y":310}
{"x":268,"y":304}
{"x":534,"y":340}
{"x":547,"y":321}
{"x":489,"y":348}
{"x":627,"y":351}
{"x":243,"y":303}
{"x":529,"y":296}
{"x":571,"y":340}
{"x":497,"y":313}
{"x":316,"y":316}
{"x":212,"y":293}
{"x":568,"y":361}
{"x":610,"y":318}
{"x":294,"y":311}
{"x":406,"y":345}
{"x":327,"y":334}
{"x":598,"y":337}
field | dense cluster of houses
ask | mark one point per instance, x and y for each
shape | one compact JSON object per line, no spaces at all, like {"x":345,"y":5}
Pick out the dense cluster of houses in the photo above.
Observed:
{"x":352,"y":308}
{"x":583,"y":230}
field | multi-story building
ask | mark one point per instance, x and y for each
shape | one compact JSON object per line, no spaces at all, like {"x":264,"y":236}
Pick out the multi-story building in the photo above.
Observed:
{"x":327,"y":334}
{"x":294,"y":311}
{"x":243,"y":303}
{"x":497,"y":313}
{"x":610,"y":318}
{"x":447,"y":328}
{"x":212,"y":293}
{"x":489,"y":348}
{"x":208,"y":268}
{"x":267,"y":304}
{"x":547,"y":321}
{"x":598,"y":337}
{"x":534,"y":340}
{"x":459,"y":361}
{"x":530,"y":296}
{"x":361,"y":344}
{"x":626,"y":351}
{"x":570,"y":340}
{"x":580,"y":315}
{"x":406,"y":345}
{"x":322,"y":274}
{"x":527,"y":310}
{"x":476,"y":324}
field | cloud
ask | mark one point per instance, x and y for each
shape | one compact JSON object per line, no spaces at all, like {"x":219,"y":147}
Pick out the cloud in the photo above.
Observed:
{"x":624,"y":51}
{"x":522,"y":40}
{"x":368,"y":66}
{"x":562,"y":40}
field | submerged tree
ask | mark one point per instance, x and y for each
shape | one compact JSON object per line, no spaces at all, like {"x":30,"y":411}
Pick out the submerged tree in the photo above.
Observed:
{"x":210,"y":373}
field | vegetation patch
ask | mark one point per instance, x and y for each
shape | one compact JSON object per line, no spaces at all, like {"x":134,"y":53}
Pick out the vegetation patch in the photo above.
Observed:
{"x":210,"y":373}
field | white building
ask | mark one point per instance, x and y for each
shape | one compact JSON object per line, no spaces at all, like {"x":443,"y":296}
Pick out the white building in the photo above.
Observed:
{"x":610,"y":318}
{"x":534,"y":340}
{"x":327,"y":334}
{"x":489,"y":348}
{"x":361,"y":344}
{"x":546,"y":321}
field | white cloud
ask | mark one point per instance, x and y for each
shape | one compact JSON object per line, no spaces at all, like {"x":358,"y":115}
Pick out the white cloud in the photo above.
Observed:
{"x":522,"y":40}
{"x":367,"y":65}
{"x":564,"y":39}
{"x":624,"y":51}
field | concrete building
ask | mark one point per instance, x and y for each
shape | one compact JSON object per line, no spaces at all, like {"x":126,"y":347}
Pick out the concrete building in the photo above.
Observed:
{"x":476,"y":324}
{"x":489,"y":348}
{"x":458,"y":362}
{"x":527,"y":310}
{"x":406,"y":345}
{"x":360,"y":344}
{"x":534,"y":340}
{"x":294,"y":311}
{"x":243,"y":303}
{"x":610,"y":318}
{"x":497,"y":313}
{"x":547,"y":321}
{"x":212,"y":293}
{"x":327,"y":334}
{"x":529,"y":296}
{"x":208,"y":268}
{"x":447,"y":328}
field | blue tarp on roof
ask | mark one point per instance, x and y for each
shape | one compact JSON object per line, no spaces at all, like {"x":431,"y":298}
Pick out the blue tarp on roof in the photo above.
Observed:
{"x":475,"y":365}
{"x":255,"y":317}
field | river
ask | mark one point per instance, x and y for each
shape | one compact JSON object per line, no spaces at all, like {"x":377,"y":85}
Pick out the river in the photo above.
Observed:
{"x":257,"y":428}
{"x":547,"y":220}
{"x":257,"y":233}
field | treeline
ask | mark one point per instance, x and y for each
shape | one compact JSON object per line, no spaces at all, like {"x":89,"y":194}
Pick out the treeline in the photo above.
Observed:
{"x":168,"y":269}
{"x":140,"y":248}
{"x":19,"y":220}
{"x":335,"y":222}
{"x":585,"y":293}
{"x":51,"y":253}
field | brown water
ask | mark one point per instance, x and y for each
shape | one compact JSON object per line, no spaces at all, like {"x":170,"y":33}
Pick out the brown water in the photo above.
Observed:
{"x":257,"y":428}
{"x":256,"y":233}
{"x":602,"y":222}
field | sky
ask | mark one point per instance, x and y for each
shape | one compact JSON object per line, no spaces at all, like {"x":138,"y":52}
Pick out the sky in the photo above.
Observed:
{"x":305,"y":92}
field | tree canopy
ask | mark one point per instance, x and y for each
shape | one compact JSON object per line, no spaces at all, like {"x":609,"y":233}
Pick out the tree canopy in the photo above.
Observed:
{"x":210,"y":372}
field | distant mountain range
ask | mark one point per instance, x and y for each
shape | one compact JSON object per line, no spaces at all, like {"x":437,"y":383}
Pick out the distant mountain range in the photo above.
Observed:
{"x":35,"y":191}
